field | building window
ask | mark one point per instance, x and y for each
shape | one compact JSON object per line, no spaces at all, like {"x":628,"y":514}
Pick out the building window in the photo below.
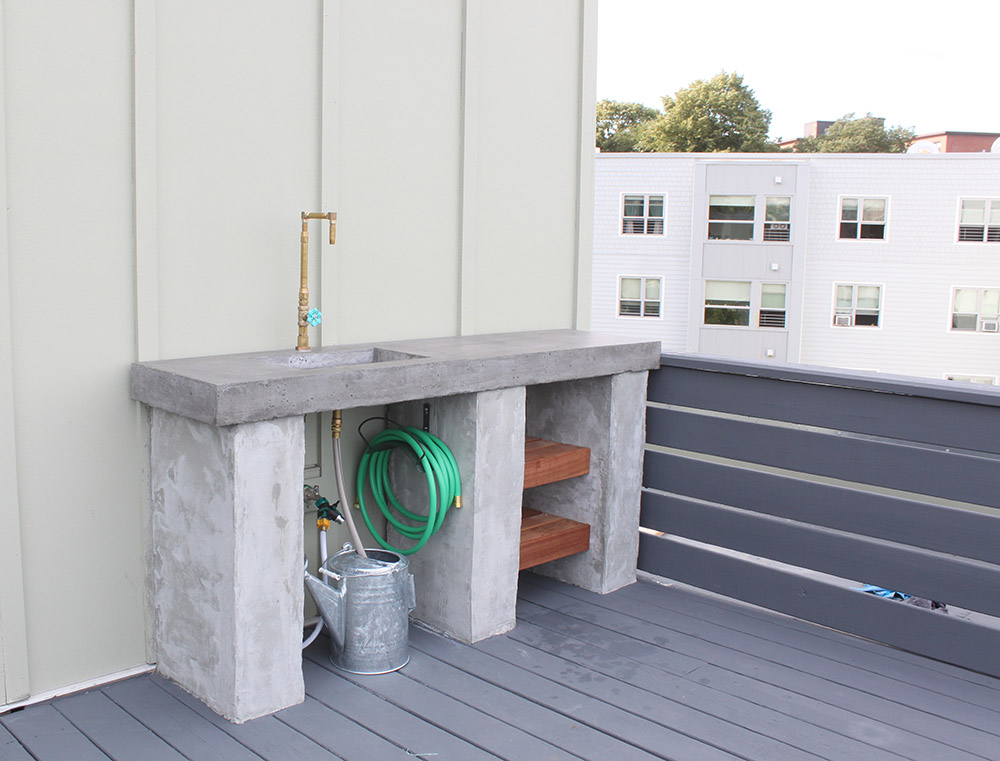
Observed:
{"x":777,"y":218}
{"x":639,"y":296}
{"x":976,"y":310}
{"x":862,"y":218}
{"x":772,"y":305}
{"x":730,"y":217}
{"x":727,"y":302}
{"x":985,"y":380}
{"x":857,"y":305}
{"x":642,"y":215}
{"x":979,"y":220}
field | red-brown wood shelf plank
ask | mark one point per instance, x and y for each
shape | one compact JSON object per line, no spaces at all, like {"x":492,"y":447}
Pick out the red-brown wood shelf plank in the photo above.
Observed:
{"x":548,"y":461}
{"x":546,"y":537}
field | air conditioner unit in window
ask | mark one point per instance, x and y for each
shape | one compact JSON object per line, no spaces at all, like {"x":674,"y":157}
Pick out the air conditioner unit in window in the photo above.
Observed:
{"x":843,"y":320}
{"x":990,"y":326}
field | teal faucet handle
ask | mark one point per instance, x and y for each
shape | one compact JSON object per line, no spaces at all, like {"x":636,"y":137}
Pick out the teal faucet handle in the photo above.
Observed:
{"x":314,"y":317}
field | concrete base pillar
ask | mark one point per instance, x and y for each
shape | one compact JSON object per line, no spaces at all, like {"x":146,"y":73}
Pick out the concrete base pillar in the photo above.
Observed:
{"x":606,"y":414}
{"x":466,"y":576}
{"x":227,"y":560}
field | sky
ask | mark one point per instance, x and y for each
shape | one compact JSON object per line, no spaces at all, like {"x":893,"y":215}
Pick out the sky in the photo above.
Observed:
{"x":928,"y":66}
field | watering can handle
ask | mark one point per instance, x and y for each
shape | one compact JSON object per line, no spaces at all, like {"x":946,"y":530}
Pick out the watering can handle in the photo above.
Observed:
{"x":410,"y":593}
{"x":336,"y":578}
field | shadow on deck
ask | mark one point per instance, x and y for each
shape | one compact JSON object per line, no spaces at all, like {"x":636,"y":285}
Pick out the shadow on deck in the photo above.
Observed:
{"x":648,"y":672}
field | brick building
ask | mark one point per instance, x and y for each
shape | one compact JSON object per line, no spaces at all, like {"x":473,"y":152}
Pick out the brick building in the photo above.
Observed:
{"x":956,"y":142}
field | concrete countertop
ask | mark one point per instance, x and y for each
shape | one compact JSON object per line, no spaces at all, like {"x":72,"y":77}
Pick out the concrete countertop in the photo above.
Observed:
{"x":242,"y":388}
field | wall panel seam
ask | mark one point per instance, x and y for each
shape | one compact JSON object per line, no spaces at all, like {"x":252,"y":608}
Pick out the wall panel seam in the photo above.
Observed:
{"x":14,"y":681}
{"x":469,"y":163}
{"x":145,"y":156}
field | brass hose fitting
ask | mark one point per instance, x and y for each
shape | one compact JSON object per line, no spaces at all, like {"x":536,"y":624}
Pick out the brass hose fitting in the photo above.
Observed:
{"x":336,"y":424}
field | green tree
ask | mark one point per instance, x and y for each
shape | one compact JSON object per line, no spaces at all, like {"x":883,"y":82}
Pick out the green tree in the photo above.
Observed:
{"x":864,"y":134}
{"x":619,"y":125}
{"x":718,"y":115}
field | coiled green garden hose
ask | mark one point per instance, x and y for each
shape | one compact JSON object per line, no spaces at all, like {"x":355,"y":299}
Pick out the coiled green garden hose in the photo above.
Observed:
{"x":444,"y":484}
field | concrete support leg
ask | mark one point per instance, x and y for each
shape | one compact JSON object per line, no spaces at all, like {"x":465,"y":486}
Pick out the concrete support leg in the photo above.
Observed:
{"x":227,"y":561}
{"x":606,"y":414}
{"x":466,"y":577}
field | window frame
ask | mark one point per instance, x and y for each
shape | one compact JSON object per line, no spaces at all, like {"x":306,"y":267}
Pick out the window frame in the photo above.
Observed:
{"x":760,"y":224}
{"x":854,"y":305}
{"x":980,"y":320}
{"x":753,"y":308}
{"x":860,"y":222}
{"x":991,"y":203}
{"x":740,"y":223}
{"x":646,"y":219}
{"x":766,"y":224}
{"x":761,"y":309}
{"x":643,"y":279}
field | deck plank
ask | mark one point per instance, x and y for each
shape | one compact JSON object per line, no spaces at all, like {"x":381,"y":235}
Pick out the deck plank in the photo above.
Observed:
{"x":801,"y":719}
{"x":710,"y":736}
{"x":114,"y":731}
{"x":478,"y":686}
{"x":385,"y":719}
{"x":609,"y":717}
{"x":175,"y":723}
{"x":648,"y":672}
{"x":268,"y":736}
{"x":339,"y":734}
{"x":10,"y":748}
{"x":47,"y":735}
{"x":701,"y":695}
{"x":887,"y":717}
{"x":883,"y":679}
{"x":836,"y":646}
{"x":504,"y":740}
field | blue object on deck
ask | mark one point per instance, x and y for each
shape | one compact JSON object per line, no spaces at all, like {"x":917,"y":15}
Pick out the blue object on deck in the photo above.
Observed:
{"x":891,"y":594}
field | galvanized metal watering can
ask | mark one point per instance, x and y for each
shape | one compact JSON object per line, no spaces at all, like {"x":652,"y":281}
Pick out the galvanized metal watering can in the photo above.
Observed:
{"x":366,"y":611}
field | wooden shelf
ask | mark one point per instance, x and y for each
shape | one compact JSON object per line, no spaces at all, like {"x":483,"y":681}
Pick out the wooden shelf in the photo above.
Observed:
{"x":548,"y":461}
{"x":547,"y":537}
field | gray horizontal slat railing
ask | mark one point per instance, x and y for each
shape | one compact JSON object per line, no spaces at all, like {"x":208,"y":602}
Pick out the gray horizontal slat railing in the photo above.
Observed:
{"x":953,"y":530}
{"x":946,"y":638}
{"x":832,"y":472}
{"x":970,"y":584}
{"x":889,"y":463}
{"x":915,"y":409}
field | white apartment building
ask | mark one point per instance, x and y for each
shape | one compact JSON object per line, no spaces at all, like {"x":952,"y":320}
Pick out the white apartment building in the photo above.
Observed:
{"x":879,"y":262}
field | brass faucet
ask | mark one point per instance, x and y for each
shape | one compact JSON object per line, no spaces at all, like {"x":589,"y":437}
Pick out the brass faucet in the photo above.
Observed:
{"x":309,"y":316}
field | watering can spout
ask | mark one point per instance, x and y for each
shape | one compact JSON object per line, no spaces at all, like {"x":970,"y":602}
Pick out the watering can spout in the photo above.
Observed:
{"x":330,"y":602}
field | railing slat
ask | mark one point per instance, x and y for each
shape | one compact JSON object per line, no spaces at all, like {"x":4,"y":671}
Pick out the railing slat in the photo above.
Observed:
{"x":955,"y":530}
{"x":891,"y":464}
{"x":969,"y":584}
{"x":947,"y":638}
{"x":898,"y":416}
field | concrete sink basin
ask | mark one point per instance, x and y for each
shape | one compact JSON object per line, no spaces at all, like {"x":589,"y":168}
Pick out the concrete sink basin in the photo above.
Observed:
{"x":316,"y":359}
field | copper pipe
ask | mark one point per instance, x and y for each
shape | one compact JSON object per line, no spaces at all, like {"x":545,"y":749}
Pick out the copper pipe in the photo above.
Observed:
{"x":302,"y":344}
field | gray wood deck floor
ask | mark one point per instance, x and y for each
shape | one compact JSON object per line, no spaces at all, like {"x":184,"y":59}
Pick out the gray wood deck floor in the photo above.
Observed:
{"x":649,"y":672}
